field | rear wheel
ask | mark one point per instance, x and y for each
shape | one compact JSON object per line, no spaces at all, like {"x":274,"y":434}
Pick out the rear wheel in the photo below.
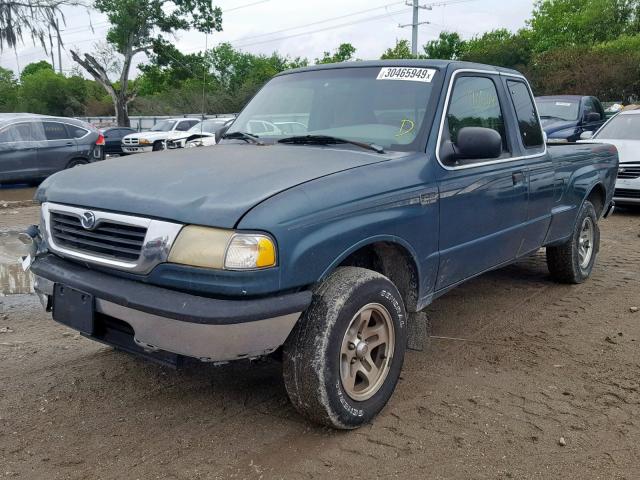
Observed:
{"x":343,"y":359}
{"x":572,"y":262}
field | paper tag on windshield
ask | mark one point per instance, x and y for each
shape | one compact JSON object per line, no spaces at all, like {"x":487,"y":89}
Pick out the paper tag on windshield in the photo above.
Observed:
{"x":406,"y":73}
{"x":563,"y":104}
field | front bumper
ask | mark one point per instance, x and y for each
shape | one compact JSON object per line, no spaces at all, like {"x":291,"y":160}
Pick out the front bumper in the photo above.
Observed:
{"x":137,"y":149}
{"x":167,"y":320}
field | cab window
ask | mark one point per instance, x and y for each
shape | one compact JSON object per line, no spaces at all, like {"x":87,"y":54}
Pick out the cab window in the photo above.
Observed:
{"x":528,"y":122}
{"x":474,"y":102}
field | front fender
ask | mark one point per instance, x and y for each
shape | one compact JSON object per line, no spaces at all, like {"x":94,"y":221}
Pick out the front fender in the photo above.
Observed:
{"x":319,"y":223}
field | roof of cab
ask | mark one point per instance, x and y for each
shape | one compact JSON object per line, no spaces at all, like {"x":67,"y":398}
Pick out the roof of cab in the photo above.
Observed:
{"x":438,"y":64}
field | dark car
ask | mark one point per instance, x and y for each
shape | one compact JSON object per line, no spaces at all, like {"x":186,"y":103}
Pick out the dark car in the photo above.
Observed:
{"x":32,"y":147}
{"x":113,"y":139}
{"x":565,"y":117}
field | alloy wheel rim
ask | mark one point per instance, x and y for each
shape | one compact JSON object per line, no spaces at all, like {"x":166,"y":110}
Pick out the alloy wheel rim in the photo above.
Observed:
{"x":585,"y":242}
{"x":367,"y":351}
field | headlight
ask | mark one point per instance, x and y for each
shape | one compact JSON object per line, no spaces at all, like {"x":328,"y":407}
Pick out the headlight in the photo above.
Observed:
{"x":222,"y":249}
{"x":144,"y":141}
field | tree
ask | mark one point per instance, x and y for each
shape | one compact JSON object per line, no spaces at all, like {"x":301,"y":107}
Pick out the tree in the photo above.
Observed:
{"x":8,"y":90}
{"x":499,"y":47}
{"x":35,"y":67}
{"x":343,"y":53}
{"x":401,"y":50}
{"x":51,"y":93}
{"x":448,"y":46}
{"x":36,"y":18}
{"x":140,"y":26}
{"x":556,"y":24}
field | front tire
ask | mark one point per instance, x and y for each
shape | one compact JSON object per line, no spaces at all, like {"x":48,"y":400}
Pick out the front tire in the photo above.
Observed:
{"x":343,"y":359}
{"x":76,"y":163}
{"x":573,"y":261}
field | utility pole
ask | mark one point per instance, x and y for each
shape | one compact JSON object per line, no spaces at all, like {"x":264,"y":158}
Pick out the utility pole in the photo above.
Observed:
{"x":415,"y":23}
{"x":59,"y":48}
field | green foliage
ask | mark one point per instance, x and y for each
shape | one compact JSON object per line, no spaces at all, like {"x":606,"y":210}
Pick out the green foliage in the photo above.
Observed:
{"x":448,"y":46}
{"x":141,"y":23}
{"x":559,"y":23}
{"x":64,"y":96}
{"x":35,"y":67}
{"x":498,"y":47}
{"x":343,"y":53}
{"x":402,"y":49}
{"x":8,"y":91}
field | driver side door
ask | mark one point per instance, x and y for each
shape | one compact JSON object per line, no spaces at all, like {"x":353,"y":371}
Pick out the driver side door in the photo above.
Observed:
{"x":483,"y":202}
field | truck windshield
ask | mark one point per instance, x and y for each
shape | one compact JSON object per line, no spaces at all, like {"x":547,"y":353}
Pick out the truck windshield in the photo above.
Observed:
{"x":558,"y":109}
{"x":385,"y":106}
{"x":621,"y":127}
{"x":163,"y":126}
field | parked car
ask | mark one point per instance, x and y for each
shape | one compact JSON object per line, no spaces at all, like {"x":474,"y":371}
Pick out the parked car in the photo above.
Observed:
{"x":623,"y":131}
{"x":113,"y":139}
{"x":32,"y":147}
{"x":154,"y":139}
{"x":412,"y":177}
{"x":565,"y":117}
{"x":202,"y":134}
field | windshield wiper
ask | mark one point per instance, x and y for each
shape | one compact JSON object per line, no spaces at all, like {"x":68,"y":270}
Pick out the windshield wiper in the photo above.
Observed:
{"x":247,"y":137}
{"x":328,"y":139}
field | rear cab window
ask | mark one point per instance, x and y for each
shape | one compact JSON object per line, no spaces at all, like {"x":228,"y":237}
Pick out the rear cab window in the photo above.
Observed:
{"x":528,"y":122}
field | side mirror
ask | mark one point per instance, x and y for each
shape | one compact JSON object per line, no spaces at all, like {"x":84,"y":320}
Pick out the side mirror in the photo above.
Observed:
{"x":586,"y":135}
{"x":591,"y":117}
{"x":478,"y":142}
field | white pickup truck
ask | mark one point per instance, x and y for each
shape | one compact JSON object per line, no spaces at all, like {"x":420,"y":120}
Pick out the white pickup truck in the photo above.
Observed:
{"x":154,"y":139}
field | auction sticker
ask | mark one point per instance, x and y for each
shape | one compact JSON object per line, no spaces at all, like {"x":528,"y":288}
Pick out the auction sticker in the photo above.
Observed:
{"x":406,"y":73}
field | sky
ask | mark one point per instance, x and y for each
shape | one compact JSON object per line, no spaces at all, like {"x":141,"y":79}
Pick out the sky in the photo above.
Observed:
{"x":302,"y":28}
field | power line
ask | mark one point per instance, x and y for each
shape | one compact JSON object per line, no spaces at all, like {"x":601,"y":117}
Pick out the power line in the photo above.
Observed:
{"x":310,"y":32}
{"x":319,"y":22}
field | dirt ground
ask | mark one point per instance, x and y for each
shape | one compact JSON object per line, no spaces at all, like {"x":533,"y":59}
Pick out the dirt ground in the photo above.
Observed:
{"x":517,"y":366}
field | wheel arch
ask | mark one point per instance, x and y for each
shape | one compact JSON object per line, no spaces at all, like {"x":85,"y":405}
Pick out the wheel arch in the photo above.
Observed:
{"x":390,"y":256}
{"x":597,"y":196}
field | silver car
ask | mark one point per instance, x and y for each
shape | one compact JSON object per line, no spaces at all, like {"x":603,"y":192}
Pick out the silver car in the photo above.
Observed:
{"x":623,"y":131}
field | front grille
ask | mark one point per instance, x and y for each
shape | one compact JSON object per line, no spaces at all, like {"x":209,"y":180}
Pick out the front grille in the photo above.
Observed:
{"x":626,"y":193}
{"x":130,"y":141}
{"x":108,"y":239}
{"x":629,"y":171}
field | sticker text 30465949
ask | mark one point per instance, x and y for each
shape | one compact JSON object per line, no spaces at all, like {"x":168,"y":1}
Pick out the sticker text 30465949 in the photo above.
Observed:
{"x":406,"y":73}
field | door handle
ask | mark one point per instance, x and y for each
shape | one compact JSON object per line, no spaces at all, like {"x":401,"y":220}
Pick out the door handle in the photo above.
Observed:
{"x":69,"y":144}
{"x":518,"y":178}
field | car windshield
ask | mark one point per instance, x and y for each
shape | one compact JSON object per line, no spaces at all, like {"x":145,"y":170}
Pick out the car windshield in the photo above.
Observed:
{"x":560,"y":109}
{"x":163,"y":126}
{"x":381,"y":105}
{"x":621,"y":127}
{"x":208,"y":126}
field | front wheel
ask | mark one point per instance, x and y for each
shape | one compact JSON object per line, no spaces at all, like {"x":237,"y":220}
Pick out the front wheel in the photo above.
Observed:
{"x":343,"y":359}
{"x":573,"y":261}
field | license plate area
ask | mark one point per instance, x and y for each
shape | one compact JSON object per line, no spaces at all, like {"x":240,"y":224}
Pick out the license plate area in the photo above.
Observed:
{"x":74,"y":308}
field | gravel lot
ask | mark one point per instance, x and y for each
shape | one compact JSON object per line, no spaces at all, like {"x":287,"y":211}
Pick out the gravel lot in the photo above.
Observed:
{"x":523,"y":378}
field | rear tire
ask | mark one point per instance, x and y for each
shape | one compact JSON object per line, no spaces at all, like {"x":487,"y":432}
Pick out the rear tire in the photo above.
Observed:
{"x":572,"y":262}
{"x":343,"y":359}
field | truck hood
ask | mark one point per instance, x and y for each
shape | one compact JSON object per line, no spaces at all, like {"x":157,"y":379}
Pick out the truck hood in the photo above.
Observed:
{"x":211,"y":186}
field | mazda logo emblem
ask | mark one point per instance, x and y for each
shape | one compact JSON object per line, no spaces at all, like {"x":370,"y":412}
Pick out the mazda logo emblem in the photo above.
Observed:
{"x":88,"y":220}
